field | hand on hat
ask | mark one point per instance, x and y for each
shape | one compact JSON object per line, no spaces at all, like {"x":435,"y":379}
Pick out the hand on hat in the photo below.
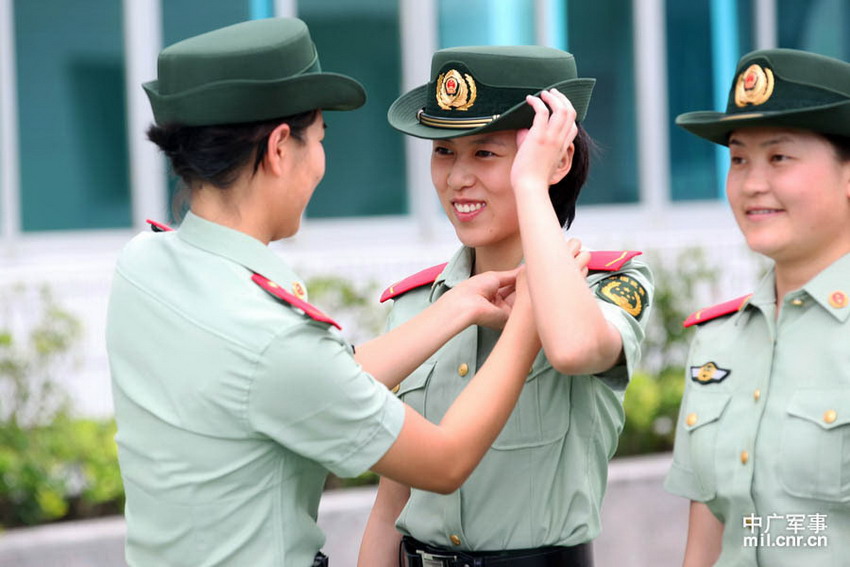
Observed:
{"x":543,"y":156}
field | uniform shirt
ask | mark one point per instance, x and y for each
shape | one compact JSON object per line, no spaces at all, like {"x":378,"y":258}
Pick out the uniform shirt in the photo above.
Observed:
{"x":542,"y":481}
{"x":231,"y":405}
{"x":763,"y":435}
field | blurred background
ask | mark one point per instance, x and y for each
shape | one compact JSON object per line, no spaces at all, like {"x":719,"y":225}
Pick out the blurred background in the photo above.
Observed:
{"x":78,"y":179}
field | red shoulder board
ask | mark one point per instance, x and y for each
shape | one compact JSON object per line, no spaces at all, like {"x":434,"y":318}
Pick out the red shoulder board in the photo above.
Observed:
{"x":716,"y":311}
{"x":277,"y":291}
{"x":425,"y":277}
{"x":610,"y":260}
{"x":158,"y":226}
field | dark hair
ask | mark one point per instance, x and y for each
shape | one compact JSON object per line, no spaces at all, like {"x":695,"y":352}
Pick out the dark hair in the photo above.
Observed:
{"x":841,"y":145}
{"x":217,"y":154}
{"x":564,"y":193}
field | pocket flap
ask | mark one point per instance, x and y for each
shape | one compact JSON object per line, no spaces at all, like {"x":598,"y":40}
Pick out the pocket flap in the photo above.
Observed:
{"x":418,"y":379}
{"x":704,"y":408}
{"x":827,"y":408}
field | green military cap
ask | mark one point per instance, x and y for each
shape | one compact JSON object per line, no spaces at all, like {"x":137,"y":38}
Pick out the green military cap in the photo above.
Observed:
{"x":780,"y":87}
{"x":251,"y":71}
{"x":483,"y":89}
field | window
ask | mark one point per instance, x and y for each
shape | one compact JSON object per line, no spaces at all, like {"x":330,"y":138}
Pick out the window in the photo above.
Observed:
{"x":365,"y":172}
{"x":73,"y":140}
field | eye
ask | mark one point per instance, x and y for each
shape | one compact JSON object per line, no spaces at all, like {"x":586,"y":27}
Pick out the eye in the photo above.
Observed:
{"x":484,"y":153}
{"x":442,"y":151}
{"x":736,"y":160}
{"x":778,"y":158}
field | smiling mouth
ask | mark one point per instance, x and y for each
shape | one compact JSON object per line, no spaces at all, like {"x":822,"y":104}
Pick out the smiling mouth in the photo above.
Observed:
{"x":466,"y":208}
{"x":762,"y":212}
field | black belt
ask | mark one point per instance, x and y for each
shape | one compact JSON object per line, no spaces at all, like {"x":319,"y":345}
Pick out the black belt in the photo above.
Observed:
{"x":421,"y":555}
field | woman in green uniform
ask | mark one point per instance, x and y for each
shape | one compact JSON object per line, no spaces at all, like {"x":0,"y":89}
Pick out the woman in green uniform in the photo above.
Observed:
{"x":508,"y":161}
{"x":233,"y":395}
{"x":763,"y":439}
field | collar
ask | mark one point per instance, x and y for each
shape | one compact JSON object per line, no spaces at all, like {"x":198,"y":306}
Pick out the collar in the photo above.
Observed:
{"x":237,"y":247}
{"x":458,"y":270}
{"x":830,"y":289}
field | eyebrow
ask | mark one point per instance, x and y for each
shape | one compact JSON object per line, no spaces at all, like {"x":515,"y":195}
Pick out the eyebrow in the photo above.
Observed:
{"x":771,"y":142}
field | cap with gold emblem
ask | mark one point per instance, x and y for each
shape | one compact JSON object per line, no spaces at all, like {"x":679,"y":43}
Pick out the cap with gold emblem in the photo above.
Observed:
{"x":483,"y":89}
{"x":780,"y":87}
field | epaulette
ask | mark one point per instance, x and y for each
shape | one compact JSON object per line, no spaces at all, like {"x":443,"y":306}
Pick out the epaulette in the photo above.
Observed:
{"x":158,"y":226}
{"x":716,"y":311}
{"x":425,"y":277}
{"x":280,"y":293}
{"x":610,"y":260}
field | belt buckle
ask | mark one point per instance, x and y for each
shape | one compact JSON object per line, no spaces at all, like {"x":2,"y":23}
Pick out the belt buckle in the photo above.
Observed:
{"x":435,"y":559}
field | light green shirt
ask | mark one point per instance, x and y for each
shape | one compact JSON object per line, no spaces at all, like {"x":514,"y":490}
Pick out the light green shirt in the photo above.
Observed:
{"x":543,"y":480}
{"x":765,"y":437}
{"x":231,"y":404}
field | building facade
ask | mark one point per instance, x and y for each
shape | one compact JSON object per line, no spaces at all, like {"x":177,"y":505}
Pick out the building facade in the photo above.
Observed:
{"x":78,"y":178}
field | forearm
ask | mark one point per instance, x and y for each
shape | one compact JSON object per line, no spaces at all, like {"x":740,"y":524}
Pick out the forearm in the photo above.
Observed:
{"x":379,"y":547}
{"x":391,"y":357}
{"x":705,"y":537}
{"x":575,"y":335}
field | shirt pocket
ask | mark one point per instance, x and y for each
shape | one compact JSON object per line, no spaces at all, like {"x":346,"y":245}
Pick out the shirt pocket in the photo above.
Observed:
{"x":542,"y":413}
{"x":412,"y":389}
{"x":701,"y":417}
{"x":815,"y":454}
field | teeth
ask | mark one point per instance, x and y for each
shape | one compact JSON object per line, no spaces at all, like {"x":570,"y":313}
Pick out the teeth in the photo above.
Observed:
{"x":468,"y":207}
{"x":762,"y":211}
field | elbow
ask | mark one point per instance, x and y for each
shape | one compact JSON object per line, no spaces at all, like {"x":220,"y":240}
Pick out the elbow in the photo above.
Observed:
{"x":450,"y":479}
{"x":584,"y":357}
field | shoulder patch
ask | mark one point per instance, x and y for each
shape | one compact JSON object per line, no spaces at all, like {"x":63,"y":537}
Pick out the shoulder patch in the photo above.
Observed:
{"x":610,"y":260}
{"x":716,"y":311}
{"x":274,"y":289}
{"x":158,"y":226}
{"x":625,"y":292}
{"x":425,"y":277}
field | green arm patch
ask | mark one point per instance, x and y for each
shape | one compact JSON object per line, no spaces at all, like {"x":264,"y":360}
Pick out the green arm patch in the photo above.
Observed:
{"x":625,"y":292}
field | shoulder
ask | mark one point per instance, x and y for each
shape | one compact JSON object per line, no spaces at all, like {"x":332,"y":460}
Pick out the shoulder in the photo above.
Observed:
{"x":419,"y":279}
{"x":278,"y":292}
{"x":610,"y":260}
{"x":715,"y":311}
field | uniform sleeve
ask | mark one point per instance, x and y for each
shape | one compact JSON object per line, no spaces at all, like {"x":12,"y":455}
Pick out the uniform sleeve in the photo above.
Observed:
{"x":681,"y":479}
{"x":631,"y":327}
{"x":311,"y":396}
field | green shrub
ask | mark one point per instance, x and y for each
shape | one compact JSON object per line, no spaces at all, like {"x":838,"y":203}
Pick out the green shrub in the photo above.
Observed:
{"x":51,"y":466}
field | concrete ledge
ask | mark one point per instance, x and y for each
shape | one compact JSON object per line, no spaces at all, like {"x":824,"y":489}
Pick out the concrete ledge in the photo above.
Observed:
{"x":643,"y":526}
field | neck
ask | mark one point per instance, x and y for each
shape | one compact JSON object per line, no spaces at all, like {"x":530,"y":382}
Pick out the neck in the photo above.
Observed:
{"x":232,"y":207}
{"x":505,"y":255}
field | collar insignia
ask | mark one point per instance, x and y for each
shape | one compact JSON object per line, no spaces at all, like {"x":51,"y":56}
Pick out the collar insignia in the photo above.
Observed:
{"x":754,"y":86}
{"x":709,"y":373}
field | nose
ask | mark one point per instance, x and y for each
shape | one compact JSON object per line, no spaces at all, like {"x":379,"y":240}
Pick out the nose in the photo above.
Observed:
{"x":460,"y":176}
{"x":755,"y":179}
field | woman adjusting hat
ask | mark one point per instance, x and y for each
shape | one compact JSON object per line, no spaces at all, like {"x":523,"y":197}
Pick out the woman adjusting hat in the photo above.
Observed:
{"x":508,"y":161}
{"x":761,"y":443}
{"x":233,"y":395}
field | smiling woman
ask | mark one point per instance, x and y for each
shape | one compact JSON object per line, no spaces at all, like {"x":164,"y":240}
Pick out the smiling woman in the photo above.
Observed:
{"x":765,"y":412}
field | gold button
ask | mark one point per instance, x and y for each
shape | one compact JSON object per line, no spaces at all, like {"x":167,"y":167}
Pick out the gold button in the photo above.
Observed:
{"x":691,"y":419}
{"x":830,"y":416}
{"x":455,"y":539}
{"x":463,"y":369}
{"x":757,"y":394}
{"x":797,"y":301}
{"x":745,"y":456}
{"x":395,"y":389}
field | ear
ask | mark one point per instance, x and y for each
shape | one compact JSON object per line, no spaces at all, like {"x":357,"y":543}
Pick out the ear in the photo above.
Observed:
{"x":277,"y":149}
{"x":564,"y":166}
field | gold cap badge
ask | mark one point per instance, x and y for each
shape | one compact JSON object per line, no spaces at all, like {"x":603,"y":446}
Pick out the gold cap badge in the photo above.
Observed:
{"x":456,"y":91}
{"x":754,"y":86}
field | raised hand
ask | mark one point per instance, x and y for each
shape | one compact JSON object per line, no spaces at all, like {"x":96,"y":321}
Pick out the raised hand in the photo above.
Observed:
{"x":543,"y":151}
{"x":486,"y":298}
